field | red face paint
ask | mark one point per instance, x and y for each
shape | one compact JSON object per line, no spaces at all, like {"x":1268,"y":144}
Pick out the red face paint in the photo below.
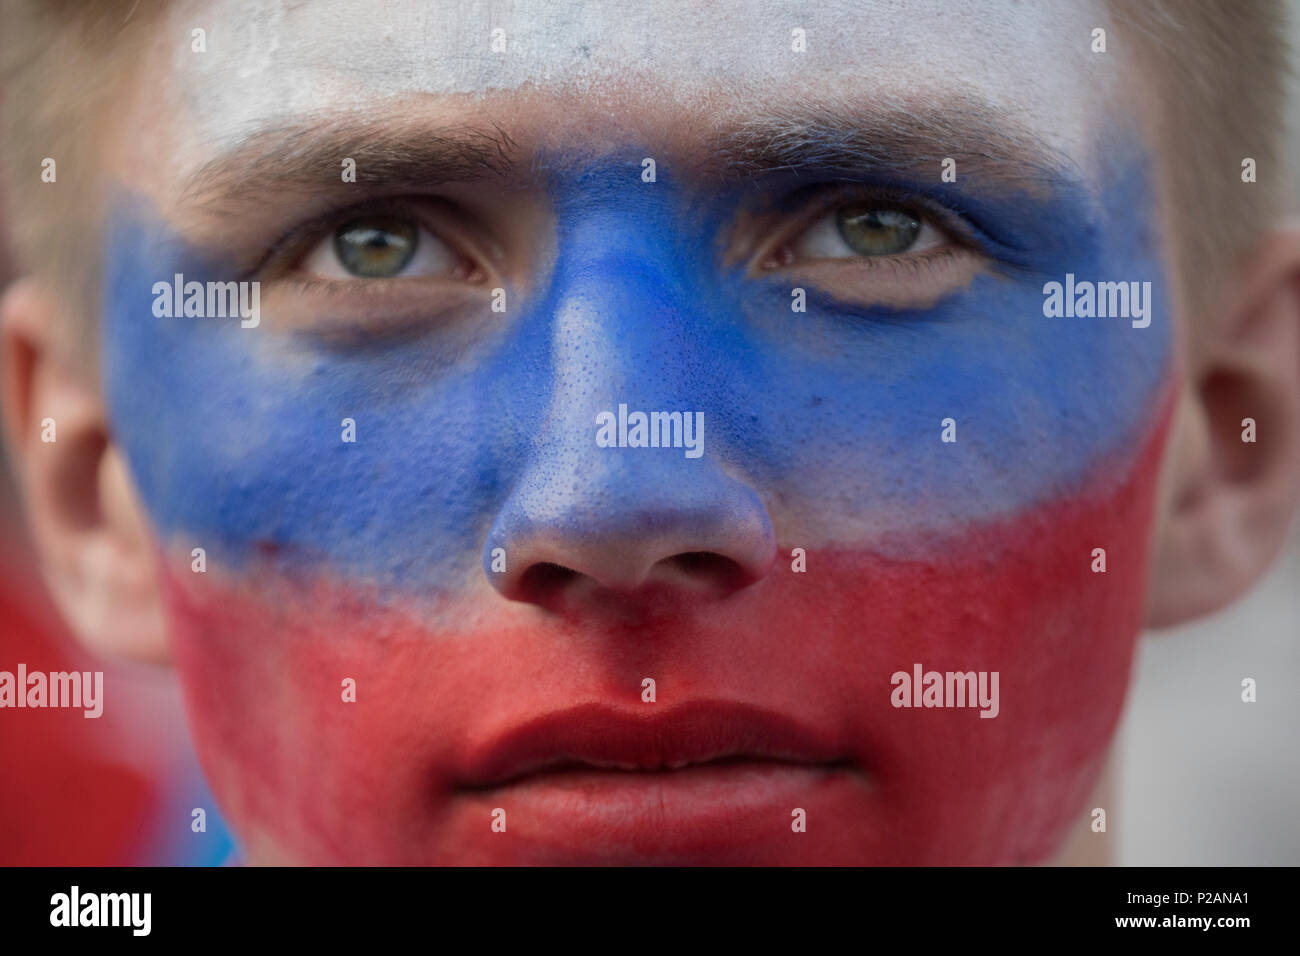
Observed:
{"x":788,"y":680}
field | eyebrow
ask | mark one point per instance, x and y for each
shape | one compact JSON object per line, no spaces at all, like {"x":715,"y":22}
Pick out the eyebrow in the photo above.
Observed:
{"x":895,"y":141}
{"x":307,"y":157}
{"x":982,"y":141}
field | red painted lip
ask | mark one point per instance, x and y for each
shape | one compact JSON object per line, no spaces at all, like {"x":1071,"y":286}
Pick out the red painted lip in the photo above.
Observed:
{"x":661,"y":741}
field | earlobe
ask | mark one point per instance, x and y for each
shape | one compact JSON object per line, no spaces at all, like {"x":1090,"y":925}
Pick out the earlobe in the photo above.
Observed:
{"x":85,"y":519}
{"x":1234,"y":456}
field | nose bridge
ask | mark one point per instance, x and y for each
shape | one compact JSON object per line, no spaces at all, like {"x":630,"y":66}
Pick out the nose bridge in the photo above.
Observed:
{"x":625,"y":308}
{"x":591,"y":476}
{"x":618,"y":342}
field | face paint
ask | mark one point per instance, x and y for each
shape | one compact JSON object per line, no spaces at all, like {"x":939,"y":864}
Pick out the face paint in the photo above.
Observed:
{"x":269,"y":60}
{"x":371,"y":561}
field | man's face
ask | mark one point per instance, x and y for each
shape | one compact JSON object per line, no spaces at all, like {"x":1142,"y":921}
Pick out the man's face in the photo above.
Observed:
{"x":404,"y":483}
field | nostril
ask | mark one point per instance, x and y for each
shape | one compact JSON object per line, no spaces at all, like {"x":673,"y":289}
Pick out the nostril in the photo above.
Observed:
{"x":710,"y":569}
{"x":543,"y":580}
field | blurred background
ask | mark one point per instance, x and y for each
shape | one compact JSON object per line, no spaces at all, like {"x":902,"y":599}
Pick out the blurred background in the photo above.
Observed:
{"x":1204,"y":779}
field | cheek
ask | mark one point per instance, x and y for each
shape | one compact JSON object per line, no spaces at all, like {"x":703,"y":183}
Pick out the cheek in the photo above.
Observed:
{"x":318,"y":779}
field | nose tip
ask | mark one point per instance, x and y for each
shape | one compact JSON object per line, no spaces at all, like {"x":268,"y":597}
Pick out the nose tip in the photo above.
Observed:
{"x":716,"y":544}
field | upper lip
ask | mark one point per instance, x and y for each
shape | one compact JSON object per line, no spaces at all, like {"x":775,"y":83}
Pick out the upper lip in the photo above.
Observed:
{"x":596,"y":736}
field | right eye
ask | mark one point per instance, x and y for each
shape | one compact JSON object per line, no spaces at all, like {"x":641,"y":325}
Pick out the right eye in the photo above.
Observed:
{"x":382,"y":247}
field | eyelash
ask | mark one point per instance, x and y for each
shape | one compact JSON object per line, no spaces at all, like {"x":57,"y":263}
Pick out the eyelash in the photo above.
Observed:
{"x":294,"y":246}
{"x":815,"y":202}
{"x":825,"y":201}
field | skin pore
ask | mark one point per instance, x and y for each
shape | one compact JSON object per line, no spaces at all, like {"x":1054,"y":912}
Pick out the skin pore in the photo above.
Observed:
{"x":521,"y":689}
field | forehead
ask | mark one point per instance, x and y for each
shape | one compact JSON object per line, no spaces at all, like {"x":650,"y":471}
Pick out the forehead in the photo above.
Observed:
{"x":598,"y":67}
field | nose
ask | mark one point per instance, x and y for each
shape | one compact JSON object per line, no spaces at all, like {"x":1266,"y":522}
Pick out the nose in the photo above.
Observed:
{"x":617,"y":525}
{"x":587,"y":516}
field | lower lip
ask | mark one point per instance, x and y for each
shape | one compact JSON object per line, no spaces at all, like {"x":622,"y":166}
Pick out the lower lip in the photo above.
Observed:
{"x":708,"y":813}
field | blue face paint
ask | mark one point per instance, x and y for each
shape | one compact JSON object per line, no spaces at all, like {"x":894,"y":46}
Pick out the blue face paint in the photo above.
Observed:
{"x":833,"y":416}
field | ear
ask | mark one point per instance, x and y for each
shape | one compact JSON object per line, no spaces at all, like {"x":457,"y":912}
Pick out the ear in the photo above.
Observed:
{"x":1230,"y":499}
{"x":88,"y":527}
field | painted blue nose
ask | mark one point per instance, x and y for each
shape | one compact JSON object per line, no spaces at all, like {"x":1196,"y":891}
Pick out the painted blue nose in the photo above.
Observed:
{"x":601,"y":505}
{"x":640,"y":516}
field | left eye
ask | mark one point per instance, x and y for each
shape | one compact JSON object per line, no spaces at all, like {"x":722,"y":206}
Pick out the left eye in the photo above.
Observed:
{"x":866,"y":229}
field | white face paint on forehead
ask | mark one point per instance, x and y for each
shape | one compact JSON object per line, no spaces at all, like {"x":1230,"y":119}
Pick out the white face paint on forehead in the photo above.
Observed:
{"x":270,"y":61}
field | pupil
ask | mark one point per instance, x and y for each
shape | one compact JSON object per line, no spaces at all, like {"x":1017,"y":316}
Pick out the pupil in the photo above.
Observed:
{"x":375,"y":248}
{"x":877,"y":230}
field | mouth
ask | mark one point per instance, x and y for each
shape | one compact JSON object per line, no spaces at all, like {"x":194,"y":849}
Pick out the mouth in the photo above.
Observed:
{"x":686,"y":739}
{"x":700,"y":782}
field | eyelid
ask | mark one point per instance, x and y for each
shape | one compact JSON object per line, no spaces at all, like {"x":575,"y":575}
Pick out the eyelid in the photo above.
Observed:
{"x":825,"y":200}
{"x":285,"y":252}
